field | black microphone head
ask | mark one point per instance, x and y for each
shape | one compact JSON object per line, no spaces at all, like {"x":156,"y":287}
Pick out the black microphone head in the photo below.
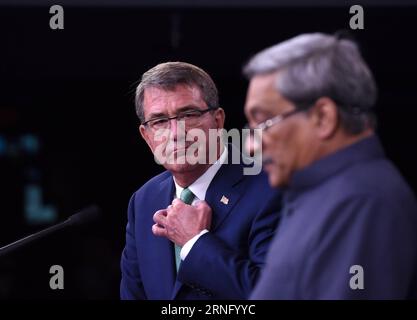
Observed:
{"x":85,"y":215}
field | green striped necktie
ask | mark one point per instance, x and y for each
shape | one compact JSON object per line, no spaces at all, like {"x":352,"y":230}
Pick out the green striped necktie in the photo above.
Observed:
{"x":187,"y":196}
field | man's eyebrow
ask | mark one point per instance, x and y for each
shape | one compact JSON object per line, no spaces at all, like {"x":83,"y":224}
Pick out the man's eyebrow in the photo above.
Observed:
{"x":188,"y":108}
{"x":157,"y":115}
{"x":182,"y":109}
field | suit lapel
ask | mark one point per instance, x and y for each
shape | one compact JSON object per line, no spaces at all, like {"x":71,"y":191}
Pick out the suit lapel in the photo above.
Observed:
{"x":222,"y":194}
{"x":177,"y":287}
{"x":160,"y":260}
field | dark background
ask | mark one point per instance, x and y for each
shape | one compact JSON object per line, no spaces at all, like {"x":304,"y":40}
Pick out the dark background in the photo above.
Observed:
{"x":73,"y":90}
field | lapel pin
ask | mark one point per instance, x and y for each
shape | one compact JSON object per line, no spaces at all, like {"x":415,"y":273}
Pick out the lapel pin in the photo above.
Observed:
{"x":224,"y":200}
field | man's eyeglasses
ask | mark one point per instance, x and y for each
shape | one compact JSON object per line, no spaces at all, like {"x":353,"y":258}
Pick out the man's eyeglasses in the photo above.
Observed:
{"x":272,"y":121}
{"x":191,"y":118}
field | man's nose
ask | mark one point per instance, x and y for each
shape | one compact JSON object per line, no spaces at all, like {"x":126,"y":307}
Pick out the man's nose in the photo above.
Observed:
{"x":253,"y":143}
{"x":177,"y":128}
{"x":173,"y":127}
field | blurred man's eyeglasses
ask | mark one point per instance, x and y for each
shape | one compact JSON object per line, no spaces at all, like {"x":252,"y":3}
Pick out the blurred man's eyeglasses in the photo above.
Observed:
{"x":191,"y":118}
{"x":272,"y":121}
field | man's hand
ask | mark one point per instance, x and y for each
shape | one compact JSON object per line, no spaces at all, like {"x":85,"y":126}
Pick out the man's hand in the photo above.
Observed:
{"x":181,"y":222}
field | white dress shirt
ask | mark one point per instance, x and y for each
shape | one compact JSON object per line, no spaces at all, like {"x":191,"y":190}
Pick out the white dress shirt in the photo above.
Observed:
{"x":199,"y":188}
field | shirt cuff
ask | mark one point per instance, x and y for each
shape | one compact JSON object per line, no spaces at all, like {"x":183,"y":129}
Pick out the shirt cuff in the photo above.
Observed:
{"x":189,"y":244}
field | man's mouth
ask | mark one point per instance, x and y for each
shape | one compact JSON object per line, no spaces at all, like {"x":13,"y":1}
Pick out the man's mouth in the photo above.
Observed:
{"x":177,"y":149}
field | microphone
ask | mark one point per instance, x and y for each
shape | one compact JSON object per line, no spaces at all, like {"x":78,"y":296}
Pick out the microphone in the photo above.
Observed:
{"x":84,"y":216}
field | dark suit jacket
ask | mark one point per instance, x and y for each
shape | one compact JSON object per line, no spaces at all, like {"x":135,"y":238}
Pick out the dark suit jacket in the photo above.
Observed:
{"x":349,"y":209}
{"x":224,"y":263}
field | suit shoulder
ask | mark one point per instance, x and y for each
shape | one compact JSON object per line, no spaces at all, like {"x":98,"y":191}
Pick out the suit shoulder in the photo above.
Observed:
{"x":377,"y":183}
{"x":378,"y":178}
{"x":151,"y":184}
{"x":258,"y":180}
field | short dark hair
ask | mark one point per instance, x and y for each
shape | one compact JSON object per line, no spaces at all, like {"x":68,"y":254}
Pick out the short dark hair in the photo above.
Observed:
{"x":168,"y":75}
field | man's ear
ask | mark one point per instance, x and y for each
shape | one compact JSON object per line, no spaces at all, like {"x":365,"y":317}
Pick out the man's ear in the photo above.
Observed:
{"x":145,"y":135}
{"x":220,"y":117}
{"x":325,"y":117}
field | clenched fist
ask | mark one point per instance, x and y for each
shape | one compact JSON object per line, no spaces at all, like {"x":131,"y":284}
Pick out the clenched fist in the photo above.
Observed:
{"x":180,"y":222}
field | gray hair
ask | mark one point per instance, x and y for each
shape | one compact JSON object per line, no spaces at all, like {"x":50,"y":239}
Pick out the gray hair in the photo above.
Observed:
{"x":168,"y":75}
{"x":319,"y":65}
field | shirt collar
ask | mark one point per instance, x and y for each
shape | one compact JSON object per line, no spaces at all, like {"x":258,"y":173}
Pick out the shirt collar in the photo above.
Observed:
{"x":365,"y":149}
{"x":200,"y":186}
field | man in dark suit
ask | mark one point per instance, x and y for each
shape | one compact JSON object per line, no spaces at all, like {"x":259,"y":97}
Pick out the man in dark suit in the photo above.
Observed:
{"x":201,"y":229}
{"x":348,"y":227}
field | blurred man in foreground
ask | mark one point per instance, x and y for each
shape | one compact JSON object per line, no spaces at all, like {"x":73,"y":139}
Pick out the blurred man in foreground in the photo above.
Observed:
{"x":349,"y":220}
